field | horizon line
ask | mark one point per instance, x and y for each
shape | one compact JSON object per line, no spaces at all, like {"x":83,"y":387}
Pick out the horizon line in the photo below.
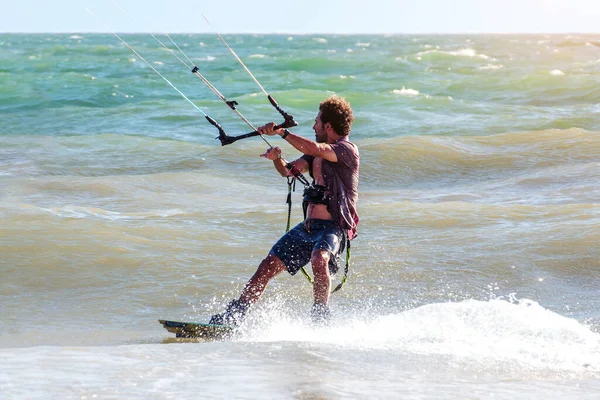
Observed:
{"x":302,"y":33}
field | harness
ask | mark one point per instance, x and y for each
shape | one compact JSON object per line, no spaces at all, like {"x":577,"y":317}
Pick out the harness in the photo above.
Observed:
{"x":315,"y":194}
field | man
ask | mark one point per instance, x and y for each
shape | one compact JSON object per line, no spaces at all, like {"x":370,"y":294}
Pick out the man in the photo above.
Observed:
{"x":329,"y":204}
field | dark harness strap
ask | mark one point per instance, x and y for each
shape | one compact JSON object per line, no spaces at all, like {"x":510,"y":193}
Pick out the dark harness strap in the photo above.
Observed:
{"x":291,"y":187}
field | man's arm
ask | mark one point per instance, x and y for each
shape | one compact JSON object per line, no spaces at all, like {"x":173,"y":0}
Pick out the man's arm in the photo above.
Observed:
{"x":305,"y":146}
{"x":309,"y":147}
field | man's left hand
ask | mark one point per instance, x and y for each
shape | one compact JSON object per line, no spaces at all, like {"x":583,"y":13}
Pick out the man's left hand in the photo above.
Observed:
{"x":272,"y":154}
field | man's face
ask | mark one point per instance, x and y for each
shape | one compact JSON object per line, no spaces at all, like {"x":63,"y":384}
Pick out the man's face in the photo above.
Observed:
{"x":319,"y":128}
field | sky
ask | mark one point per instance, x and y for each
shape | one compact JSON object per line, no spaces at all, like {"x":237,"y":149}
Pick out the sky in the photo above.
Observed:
{"x":302,"y":16}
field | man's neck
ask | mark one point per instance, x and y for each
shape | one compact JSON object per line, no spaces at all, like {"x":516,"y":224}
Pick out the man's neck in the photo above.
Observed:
{"x":334,"y":138}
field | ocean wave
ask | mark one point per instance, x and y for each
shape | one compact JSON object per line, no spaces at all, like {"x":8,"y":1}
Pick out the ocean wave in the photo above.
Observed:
{"x":465,"y":52}
{"x":418,"y":160}
{"x":573,"y":41}
{"x":406,"y":92}
{"x":491,"y":67}
{"x":99,"y":213}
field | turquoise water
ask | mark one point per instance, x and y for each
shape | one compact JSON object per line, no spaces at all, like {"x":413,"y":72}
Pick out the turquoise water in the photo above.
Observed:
{"x":403,"y":85}
{"x":475,"y":273}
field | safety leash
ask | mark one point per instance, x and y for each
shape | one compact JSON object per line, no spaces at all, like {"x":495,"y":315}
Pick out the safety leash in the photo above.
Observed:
{"x":346,"y":268}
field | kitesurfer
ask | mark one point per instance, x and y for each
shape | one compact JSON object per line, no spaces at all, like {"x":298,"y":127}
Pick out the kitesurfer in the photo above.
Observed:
{"x":329,"y":202}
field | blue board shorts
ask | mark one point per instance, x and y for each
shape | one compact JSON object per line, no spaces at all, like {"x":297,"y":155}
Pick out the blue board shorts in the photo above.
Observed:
{"x":295,"y":248}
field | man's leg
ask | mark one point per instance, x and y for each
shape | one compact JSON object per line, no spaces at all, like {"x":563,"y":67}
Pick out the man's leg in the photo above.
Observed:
{"x":235,"y":312}
{"x":268,"y":269}
{"x":320,"y":266}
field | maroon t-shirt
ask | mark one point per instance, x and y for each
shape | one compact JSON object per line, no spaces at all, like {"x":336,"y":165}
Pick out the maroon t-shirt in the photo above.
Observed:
{"x":341,"y":179}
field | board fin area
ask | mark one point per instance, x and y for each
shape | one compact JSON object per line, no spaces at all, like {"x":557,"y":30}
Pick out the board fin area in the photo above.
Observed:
{"x":197,"y":330}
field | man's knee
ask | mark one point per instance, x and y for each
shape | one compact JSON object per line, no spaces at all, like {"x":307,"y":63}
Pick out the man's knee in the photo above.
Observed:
{"x":270,"y":266}
{"x":320,"y":261}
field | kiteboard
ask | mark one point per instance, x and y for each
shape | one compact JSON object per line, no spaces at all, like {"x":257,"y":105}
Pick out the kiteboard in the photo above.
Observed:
{"x":197,"y":330}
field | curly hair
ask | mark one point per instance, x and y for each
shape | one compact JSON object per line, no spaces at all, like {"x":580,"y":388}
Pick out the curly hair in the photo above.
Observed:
{"x":337,"y":111}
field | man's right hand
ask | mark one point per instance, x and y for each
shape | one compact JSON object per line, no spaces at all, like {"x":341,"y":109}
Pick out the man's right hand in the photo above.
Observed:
{"x":269,"y":129}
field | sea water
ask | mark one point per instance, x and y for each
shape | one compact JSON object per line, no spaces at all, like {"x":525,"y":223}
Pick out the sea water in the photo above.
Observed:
{"x":476,"y":272}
